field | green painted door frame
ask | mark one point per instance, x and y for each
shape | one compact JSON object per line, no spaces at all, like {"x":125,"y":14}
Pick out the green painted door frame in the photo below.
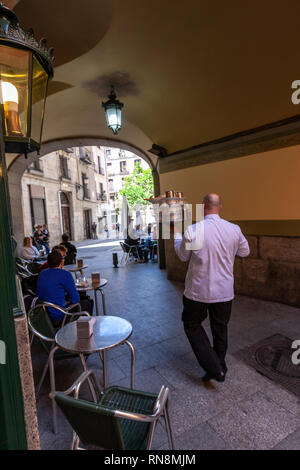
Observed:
{"x":12,"y":422}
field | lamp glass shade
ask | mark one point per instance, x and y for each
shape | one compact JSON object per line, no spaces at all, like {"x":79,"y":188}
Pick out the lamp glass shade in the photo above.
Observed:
{"x":114,"y":117}
{"x":14,"y":90}
{"x":39,"y":94}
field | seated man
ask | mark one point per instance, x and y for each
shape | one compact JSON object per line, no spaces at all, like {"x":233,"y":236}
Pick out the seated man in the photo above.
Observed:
{"x":71,"y":250}
{"x":54,"y":284}
{"x":143,"y":251}
{"x":63,"y":251}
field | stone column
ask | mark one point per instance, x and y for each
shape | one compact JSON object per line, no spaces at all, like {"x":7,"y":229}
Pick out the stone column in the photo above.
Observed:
{"x":25,"y":365}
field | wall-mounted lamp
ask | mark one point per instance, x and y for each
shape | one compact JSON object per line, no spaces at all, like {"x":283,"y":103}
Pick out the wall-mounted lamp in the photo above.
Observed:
{"x":25,"y":69}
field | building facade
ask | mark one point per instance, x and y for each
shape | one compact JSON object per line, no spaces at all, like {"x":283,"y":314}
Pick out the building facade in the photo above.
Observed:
{"x":120,"y":164}
{"x":70,"y":189}
{"x":67,"y":190}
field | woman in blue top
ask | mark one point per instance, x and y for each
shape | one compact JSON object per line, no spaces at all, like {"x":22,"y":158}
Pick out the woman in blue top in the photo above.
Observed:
{"x":54,"y":284}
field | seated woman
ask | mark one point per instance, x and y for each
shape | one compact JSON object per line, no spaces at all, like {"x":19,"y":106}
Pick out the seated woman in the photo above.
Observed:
{"x":54,"y":284}
{"x":28,"y":251}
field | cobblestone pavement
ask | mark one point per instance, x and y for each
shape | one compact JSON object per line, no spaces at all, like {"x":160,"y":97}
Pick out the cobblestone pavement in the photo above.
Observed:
{"x":247,"y":411}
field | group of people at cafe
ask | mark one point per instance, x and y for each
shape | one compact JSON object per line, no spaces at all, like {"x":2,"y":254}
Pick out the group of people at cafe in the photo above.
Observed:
{"x":144,"y":242}
{"x":55,"y":284}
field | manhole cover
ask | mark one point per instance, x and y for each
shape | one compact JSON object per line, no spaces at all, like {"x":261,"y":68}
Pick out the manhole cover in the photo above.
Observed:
{"x":272,"y":357}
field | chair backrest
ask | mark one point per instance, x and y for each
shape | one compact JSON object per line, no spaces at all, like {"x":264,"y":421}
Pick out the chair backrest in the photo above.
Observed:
{"x":34,"y":267}
{"x":123,"y":247}
{"x":21,"y":261}
{"x":22,"y":270}
{"x":40,"y":323}
{"x":94,"y":424}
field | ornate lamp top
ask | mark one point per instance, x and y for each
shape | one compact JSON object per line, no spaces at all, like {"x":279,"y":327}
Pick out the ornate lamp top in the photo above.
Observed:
{"x":11,"y":32}
{"x":112,"y":99}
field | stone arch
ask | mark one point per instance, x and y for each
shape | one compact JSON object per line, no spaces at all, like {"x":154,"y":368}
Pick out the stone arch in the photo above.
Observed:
{"x":17,"y":167}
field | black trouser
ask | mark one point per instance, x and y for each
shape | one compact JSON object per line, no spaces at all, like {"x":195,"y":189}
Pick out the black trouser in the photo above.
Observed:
{"x":211,"y":359}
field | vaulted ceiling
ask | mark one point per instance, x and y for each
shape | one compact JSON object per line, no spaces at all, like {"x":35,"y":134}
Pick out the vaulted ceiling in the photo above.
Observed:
{"x":187,"y":71}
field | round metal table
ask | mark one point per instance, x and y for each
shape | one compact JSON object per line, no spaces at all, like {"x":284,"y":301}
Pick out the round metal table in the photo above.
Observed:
{"x":73,"y":268}
{"x":95,"y":287}
{"x":108,"y":332}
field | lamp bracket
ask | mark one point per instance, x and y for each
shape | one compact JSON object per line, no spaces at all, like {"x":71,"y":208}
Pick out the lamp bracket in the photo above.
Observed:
{"x":158,"y":150}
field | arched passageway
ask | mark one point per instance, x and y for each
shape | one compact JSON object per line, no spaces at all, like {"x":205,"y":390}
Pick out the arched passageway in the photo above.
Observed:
{"x":18,"y":166}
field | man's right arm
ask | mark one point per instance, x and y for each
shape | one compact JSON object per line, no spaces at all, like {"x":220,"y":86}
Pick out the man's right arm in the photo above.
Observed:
{"x":180,"y":244}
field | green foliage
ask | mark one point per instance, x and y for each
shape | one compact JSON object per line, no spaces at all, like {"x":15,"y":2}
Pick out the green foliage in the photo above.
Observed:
{"x":138,"y":186}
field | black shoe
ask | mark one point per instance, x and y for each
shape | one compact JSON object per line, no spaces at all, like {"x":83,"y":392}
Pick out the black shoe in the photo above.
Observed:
{"x":219,"y":378}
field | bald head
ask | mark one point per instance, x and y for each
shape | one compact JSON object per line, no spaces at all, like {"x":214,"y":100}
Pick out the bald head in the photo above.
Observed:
{"x":212,"y":203}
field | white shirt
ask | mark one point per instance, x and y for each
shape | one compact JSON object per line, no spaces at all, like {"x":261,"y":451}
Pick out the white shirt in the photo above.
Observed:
{"x":209,"y":277}
{"x":30,"y":252}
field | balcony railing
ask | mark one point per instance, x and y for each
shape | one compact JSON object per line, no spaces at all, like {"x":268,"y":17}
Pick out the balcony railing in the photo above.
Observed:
{"x":101,"y":197}
{"x":85,"y":156}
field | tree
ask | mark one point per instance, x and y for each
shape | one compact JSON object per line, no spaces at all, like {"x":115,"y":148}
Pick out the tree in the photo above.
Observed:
{"x":138,"y":186}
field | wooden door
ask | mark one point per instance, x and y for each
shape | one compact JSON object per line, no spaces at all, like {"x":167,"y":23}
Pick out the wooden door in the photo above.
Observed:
{"x":87,"y":223}
{"x":65,"y":212}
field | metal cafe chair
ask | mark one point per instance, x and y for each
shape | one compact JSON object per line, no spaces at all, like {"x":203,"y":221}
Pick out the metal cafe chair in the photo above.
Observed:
{"x":129,"y":252}
{"x":120,"y":419}
{"x":40,"y":325}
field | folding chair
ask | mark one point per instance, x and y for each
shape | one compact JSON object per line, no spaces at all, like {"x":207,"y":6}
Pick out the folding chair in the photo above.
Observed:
{"x":41,"y":326}
{"x":129,"y":252}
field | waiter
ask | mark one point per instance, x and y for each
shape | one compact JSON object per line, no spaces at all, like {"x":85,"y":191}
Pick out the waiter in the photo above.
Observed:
{"x":209,"y":283}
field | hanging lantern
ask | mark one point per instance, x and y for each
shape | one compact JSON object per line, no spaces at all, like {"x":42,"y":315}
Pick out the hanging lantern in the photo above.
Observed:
{"x":113,"y":112}
{"x":25,"y":69}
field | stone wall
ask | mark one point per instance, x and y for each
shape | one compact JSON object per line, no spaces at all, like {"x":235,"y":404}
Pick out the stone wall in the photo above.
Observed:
{"x":270,"y":272}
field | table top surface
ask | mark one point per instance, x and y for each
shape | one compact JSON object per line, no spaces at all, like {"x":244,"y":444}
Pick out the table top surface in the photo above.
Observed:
{"x":92,"y":285}
{"x":108,"y":332}
{"x":74,"y":267}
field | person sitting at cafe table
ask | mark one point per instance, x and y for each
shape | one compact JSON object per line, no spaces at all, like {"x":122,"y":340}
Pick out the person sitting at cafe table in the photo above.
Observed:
{"x":143,"y":252}
{"x":71,"y":250}
{"x":29,"y":251}
{"x":63,"y":251}
{"x":54,"y":284}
